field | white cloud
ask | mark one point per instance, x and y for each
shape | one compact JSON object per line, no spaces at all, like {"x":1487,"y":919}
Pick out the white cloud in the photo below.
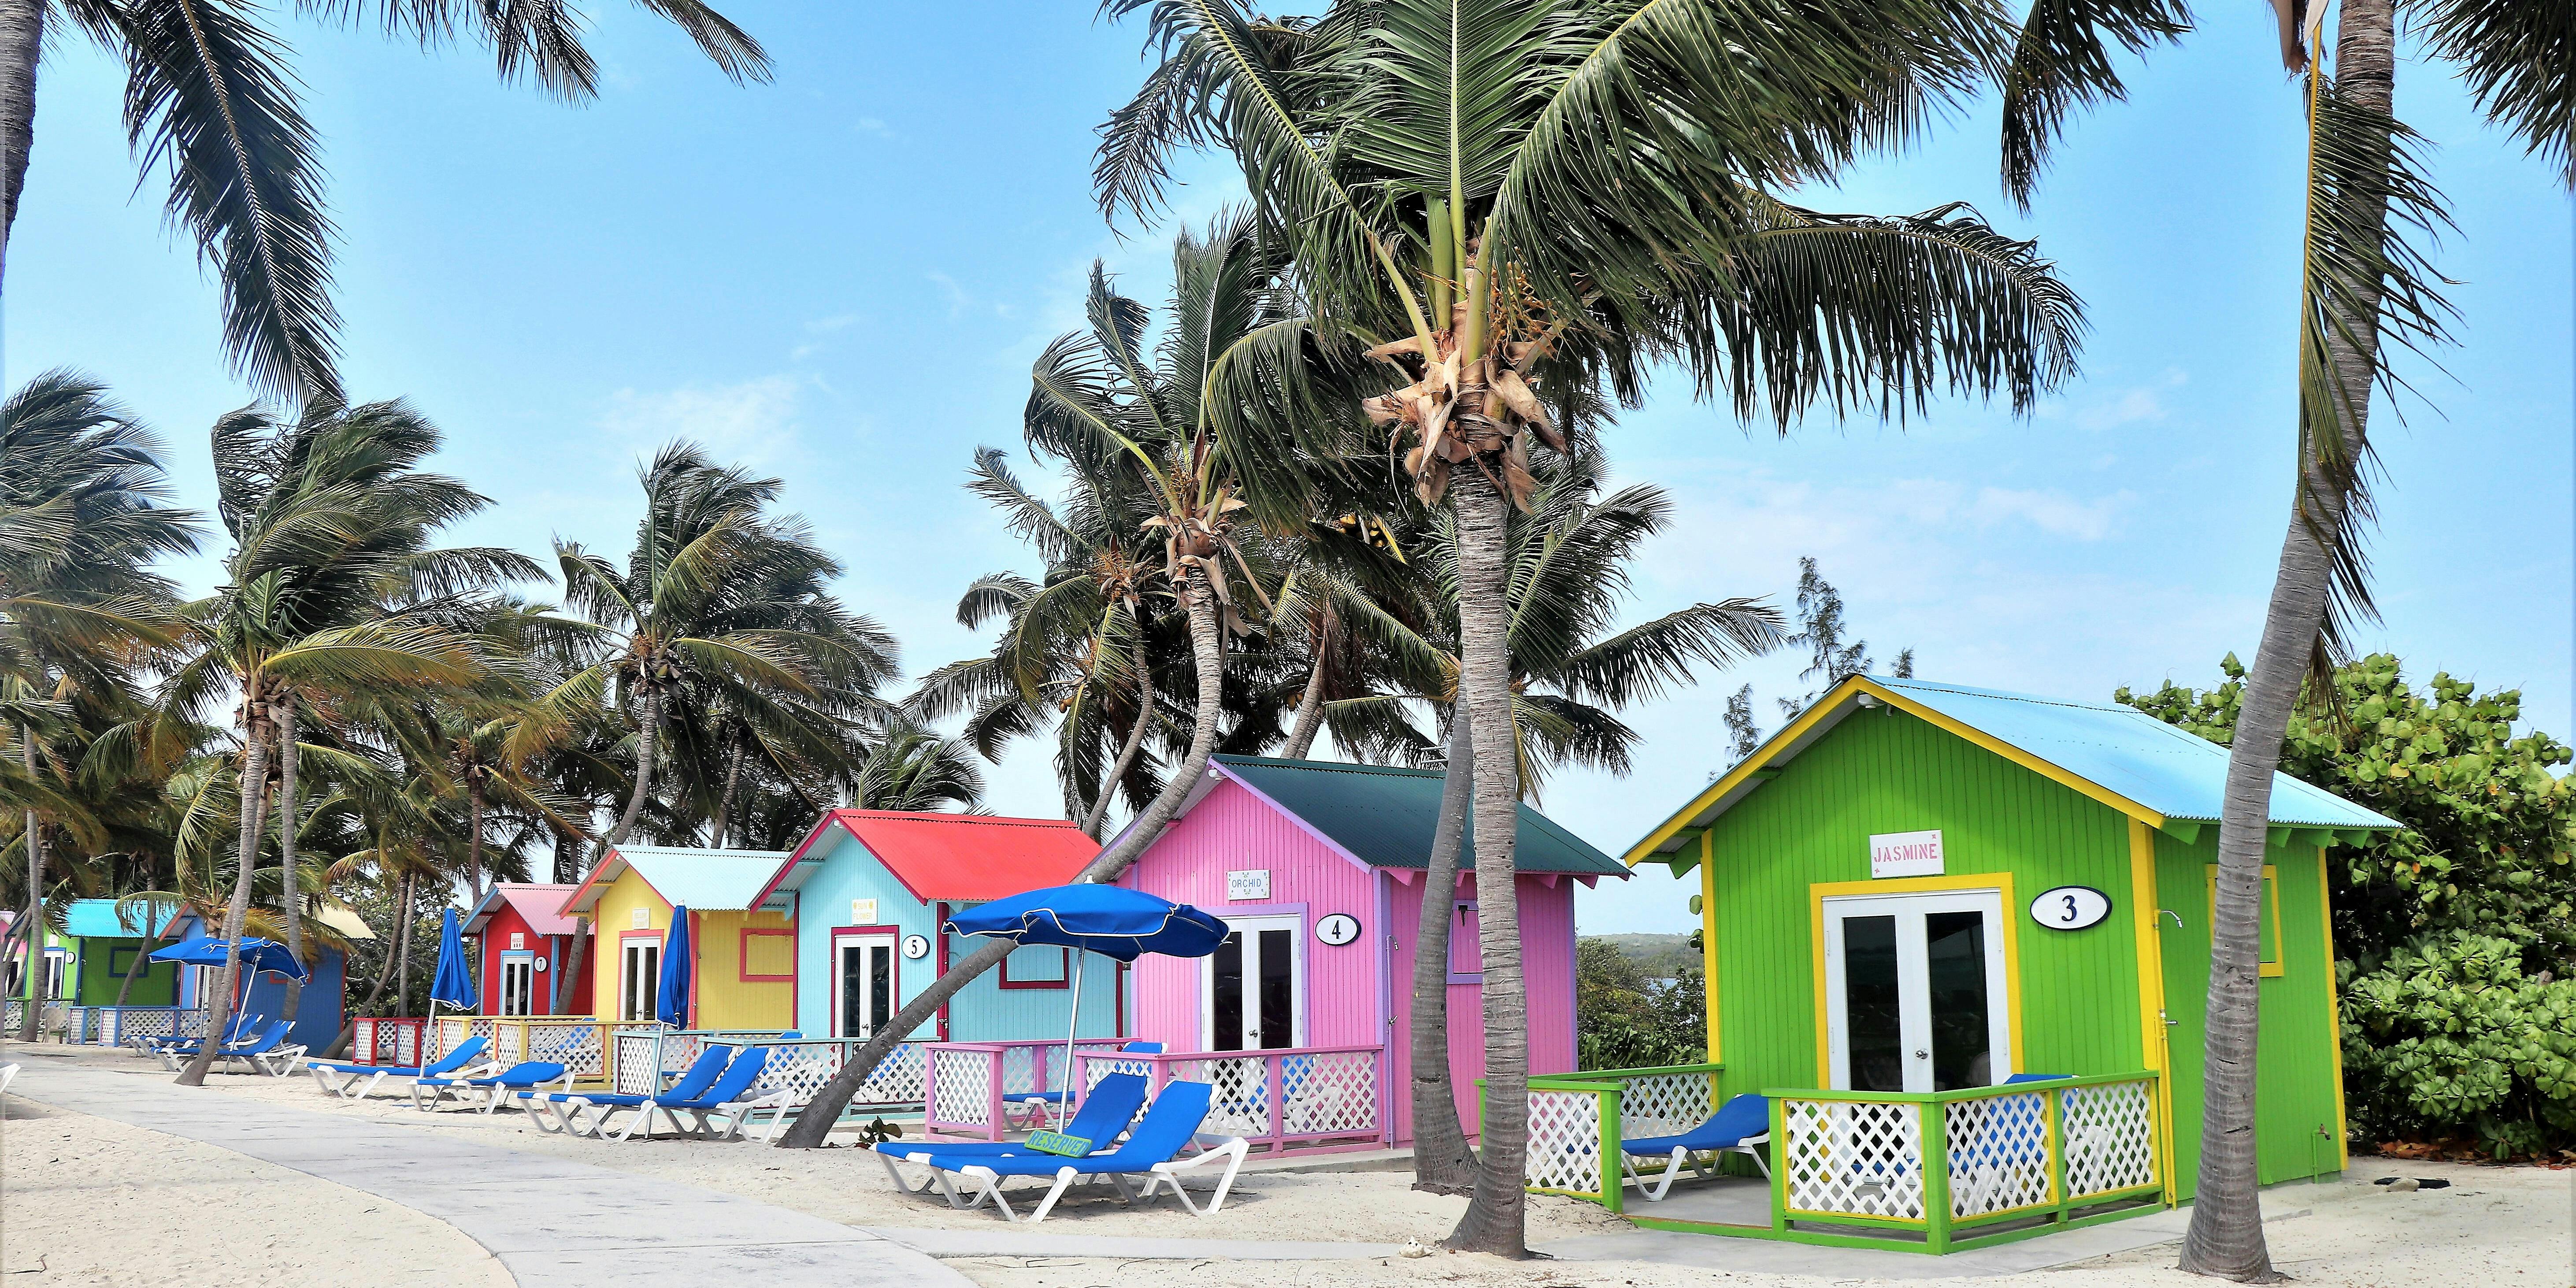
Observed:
{"x":754,"y":422}
{"x":958,"y":299}
{"x":2096,"y":410}
{"x":2051,"y":511}
{"x":872,"y":126}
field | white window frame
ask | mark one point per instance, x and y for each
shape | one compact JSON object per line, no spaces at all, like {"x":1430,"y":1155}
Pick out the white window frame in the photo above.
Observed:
{"x":866,"y":941}
{"x":523,"y":965}
{"x":1914,"y":980}
{"x":635,"y":1005}
{"x":1249,"y":928}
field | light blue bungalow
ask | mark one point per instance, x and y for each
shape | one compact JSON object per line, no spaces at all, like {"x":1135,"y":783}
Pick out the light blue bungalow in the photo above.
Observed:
{"x":872,"y":889}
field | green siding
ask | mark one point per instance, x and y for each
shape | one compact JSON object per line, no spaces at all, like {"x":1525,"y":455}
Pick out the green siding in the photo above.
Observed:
{"x":1882,"y":771}
{"x":158,"y":985}
{"x":2295,"y":1072}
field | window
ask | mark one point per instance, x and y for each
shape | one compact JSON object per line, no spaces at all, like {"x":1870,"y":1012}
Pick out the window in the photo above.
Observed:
{"x":641,"y":976}
{"x":2267,"y":923}
{"x":1466,"y":953}
{"x":121,"y":960}
{"x":1037,"y":966}
{"x":768,"y":956}
{"x":57,"y":964}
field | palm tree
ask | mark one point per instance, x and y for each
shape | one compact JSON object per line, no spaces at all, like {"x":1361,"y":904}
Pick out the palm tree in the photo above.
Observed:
{"x":2364,"y":287}
{"x":1503,"y":200}
{"x":333,"y":596}
{"x":1174,"y":441}
{"x":210,"y":95}
{"x":912,"y":768}
{"x":81,"y":517}
{"x":722,"y":609}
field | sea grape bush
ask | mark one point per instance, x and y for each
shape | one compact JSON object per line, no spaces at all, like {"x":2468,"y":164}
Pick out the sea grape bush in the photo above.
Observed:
{"x":1623,"y":1019}
{"x":2455,"y":936}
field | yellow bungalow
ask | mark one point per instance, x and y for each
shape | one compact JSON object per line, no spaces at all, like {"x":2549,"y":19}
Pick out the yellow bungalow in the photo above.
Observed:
{"x":743,"y":947}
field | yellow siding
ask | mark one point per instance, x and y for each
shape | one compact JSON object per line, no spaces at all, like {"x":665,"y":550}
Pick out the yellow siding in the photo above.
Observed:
{"x":725,"y":999}
{"x":616,"y":916}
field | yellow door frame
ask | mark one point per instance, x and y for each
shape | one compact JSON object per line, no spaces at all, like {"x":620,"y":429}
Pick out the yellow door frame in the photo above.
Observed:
{"x":2154,"y":1034}
{"x":1821,"y":891}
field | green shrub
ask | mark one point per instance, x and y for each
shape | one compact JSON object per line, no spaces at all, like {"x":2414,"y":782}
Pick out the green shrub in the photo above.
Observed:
{"x":1623,"y":1019}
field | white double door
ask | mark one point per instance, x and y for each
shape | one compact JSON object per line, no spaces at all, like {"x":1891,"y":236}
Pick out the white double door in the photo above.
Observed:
{"x":1252,"y":988}
{"x":865,"y":981}
{"x":1915,"y":991}
{"x":518,"y":984}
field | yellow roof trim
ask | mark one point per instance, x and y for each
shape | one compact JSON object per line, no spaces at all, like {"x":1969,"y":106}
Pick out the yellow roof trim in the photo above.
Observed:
{"x":1727,"y":782}
{"x":1751,"y":766}
{"x":2016,"y":755}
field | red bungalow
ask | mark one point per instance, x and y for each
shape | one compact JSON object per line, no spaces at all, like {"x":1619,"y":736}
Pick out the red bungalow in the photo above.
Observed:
{"x":526,"y":946}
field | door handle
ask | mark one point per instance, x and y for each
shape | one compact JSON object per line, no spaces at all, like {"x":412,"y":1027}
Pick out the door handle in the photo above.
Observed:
{"x":1922,"y":1055}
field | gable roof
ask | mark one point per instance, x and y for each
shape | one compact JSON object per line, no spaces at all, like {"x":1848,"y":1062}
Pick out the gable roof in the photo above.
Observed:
{"x":702,"y":880}
{"x":1384,"y":816}
{"x":959,"y":858}
{"x":2159,"y":774}
{"x":538,"y":904}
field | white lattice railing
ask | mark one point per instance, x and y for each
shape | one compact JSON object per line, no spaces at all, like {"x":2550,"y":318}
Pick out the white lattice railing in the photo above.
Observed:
{"x":48,"y":1020}
{"x":1318,"y":1097}
{"x":119,"y":1025}
{"x":1944,"y":1165}
{"x":386,"y":1039}
{"x":969,"y":1087}
{"x":1568,"y":1153}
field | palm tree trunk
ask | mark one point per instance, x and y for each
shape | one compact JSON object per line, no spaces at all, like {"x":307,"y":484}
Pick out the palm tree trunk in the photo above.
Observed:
{"x":35,"y":834}
{"x":1441,"y":1160}
{"x":22,"y":37}
{"x":410,"y":913}
{"x":290,"y":882}
{"x":1495,"y":1220}
{"x":1127,"y":751}
{"x":1310,"y":704}
{"x":254,"y":793}
{"x":1207,"y":646}
{"x":724,"y":804}
{"x":2225,"y":1239}
{"x":646,"y":736}
{"x":142,"y":955}
{"x":474,"y":847}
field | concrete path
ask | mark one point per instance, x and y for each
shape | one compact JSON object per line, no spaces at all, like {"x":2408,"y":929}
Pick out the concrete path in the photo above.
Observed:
{"x":1006,"y":1241}
{"x":552,"y":1223}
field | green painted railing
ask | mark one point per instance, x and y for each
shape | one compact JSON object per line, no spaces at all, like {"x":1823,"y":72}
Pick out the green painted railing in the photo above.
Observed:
{"x":1576,"y":1121}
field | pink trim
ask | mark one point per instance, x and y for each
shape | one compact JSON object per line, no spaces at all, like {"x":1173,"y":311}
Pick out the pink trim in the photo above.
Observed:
{"x":1059,"y":984}
{"x":697,"y":949}
{"x":622,"y":937}
{"x":829,"y":818}
{"x":1291,"y":815}
{"x":939,"y":948}
{"x":745,"y":975}
{"x":1404,"y":875}
{"x":566,"y":909}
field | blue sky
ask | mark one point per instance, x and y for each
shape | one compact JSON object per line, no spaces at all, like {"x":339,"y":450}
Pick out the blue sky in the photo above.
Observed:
{"x":841,"y":278}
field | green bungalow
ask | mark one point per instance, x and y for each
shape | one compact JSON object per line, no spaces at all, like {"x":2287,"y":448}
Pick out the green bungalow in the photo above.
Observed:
{"x":1960,"y":939}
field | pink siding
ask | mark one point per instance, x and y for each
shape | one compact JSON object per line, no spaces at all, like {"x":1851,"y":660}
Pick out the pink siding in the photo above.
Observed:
{"x":1355,"y":994}
{"x":1547,"y":961}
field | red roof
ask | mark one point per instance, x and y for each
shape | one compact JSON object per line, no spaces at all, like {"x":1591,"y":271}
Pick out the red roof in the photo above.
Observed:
{"x":960,"y":858}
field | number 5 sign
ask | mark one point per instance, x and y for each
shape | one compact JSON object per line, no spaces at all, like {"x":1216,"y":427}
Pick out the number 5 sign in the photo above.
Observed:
{"x":2070,"y":907}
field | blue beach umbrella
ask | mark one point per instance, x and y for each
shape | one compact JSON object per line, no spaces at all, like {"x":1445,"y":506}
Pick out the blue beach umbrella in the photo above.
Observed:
{"x":1112,"y":921}
{"x":671,"y":993}
{"x":257,"y":955}
{"x":454,"y":982}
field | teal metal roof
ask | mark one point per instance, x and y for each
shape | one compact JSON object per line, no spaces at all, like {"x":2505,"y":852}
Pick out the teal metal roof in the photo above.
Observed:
{"x":2169,"y":770}
{"x":1384,"y":817}
{"x":98,"y":919}
{"x":702,"y":880}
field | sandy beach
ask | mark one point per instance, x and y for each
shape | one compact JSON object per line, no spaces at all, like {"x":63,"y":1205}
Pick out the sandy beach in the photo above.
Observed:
{"x":94,"y":1202}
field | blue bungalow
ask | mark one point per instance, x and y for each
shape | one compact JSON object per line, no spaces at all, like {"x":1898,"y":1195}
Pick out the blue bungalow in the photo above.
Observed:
{"x":317,"y":1013}
{"x":873,"y":888}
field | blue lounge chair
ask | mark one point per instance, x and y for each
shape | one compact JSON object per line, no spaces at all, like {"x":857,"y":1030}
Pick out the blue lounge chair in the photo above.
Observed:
{"x":254,"y":1042}
{"x":1153,"y":1151}
{"x":242,"y":1026}
{"x":358,"y":1081}
{"x":585,"y":1113}
{"x":1738,"y":1125}
{"x":270,"y":1052}
{"x":527,"y":1075}
{"x":1104,"y":1114}
{"x":728,"y":1093}
{"x":1028,"y":1109}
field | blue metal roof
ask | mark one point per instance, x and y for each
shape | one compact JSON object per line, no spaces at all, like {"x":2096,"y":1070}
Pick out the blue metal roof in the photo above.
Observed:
{"x":2168,"y":769}
{"x":702,"y":880}
{"x":98,"y":919}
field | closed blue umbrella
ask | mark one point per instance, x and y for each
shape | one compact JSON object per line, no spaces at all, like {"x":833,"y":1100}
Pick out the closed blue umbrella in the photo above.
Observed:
{"x":671,"y":994}
{"x":1110,"y":920}
{"x":454,"y":982}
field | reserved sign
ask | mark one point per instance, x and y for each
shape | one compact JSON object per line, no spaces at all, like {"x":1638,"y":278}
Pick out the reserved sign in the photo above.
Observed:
{"x":1905,"y":854}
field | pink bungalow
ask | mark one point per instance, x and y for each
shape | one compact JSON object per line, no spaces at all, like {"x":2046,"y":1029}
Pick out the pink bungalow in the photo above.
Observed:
{"x":1318,"y":868}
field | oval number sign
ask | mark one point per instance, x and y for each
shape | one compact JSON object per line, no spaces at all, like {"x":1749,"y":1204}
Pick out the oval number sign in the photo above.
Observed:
{"x":1338,"y":929}
{"x":2070,"y":907}
{"x":916,"y":947}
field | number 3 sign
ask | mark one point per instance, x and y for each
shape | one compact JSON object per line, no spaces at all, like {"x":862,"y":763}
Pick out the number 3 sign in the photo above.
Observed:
{"x":2070,"y":907}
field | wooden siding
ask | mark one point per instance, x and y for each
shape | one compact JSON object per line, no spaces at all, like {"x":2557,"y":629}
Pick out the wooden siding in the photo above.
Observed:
{"x":95,"y":984}
{"x":1879,"y":772}
{"x":614,"y":918}
{"x":2297,"y":1077}
{"x":1547,"y":964}
{"x":723,"y":999}
{"x":983,"y":1011}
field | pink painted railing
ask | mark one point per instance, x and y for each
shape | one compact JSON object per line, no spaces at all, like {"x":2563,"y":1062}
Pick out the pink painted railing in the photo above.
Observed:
{"x":973,"y":1088}
{"x":1323,"y":1098}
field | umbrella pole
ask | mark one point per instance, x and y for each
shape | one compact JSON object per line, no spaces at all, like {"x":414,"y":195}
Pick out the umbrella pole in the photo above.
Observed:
{"x":1064,"y":1094}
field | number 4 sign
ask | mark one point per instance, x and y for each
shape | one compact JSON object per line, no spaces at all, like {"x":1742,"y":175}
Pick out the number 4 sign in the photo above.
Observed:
{"x":2070,"y":907}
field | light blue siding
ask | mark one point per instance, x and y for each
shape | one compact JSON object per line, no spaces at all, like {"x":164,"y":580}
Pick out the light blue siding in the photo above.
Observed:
{"x":983,"y":1011}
